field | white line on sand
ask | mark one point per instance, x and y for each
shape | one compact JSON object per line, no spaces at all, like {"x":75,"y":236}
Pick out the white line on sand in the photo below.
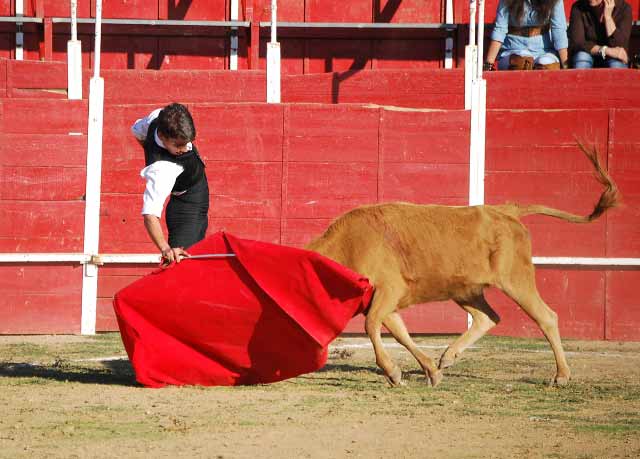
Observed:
{"x":397,"y":345}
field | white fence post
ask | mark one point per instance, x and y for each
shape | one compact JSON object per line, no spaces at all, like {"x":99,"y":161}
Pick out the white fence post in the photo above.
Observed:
{"x":475,"y":99}
{"x":74,"y":57}
{"x":470,"y":55}
{"x":233,"y":44}
{"x":273,"y":60}
{"x":478,"y":117}
{"x":19,"y":33}
{"x":448,"y":43}
{"x":92,"y":195}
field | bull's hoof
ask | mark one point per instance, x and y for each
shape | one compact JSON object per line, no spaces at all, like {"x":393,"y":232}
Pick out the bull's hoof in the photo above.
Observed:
{"x":434,"y":378}
{"x":561,"y":380}
{"x":395,"y":378}
{"x":447,"y":359}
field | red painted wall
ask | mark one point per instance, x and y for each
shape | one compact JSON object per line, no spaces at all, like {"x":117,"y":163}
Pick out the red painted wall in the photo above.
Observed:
{"x":42,"y":170}
{"x":141,"y":47}
{"x":281,"y":173}
{"x":531,"y":157}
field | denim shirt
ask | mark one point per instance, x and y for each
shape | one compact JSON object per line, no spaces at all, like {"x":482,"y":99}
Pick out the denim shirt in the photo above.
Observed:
{"x":556,"y":38}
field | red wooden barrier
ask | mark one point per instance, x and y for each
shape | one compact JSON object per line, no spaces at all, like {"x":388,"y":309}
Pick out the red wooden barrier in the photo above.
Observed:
{"x":405,"y":88}
{"x":532,"y":158}
{"x":589,"y":89}
{"x":624,"y":153}
{"x":36,"y":79}
{"x":136,"y":9}
{"x":45,"y":116}
{"x":568,"y":89}
{"x":7,"y":42}
{"x":40,"y":299}
{"x":187,"y":86}
{"x":280,"y":173}
{"x":193,"y":11}
{"x":3,"y":78}
{"x":6,"y":7}
{"x":622,"y":311}
{"x":142,"y":47}
{"x":406,"y":11}
{"x":577,"y":296}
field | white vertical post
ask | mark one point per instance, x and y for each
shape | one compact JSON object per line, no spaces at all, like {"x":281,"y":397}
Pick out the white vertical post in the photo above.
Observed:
{"x":274,"y":21}
{"x":480,"y":48}
{"x":92,"y":194}
{"x":273,"y":61}
{"x":477,"y":141}
{"x":19,"y":32}
{"x":98,"y":42}
{"x":448,"y":43}
{"x":478,"y":116}
{"x":74,"y":57}
{"x":233,"y":45}
{"x":476,"y":97}
{"x":470,"y":55}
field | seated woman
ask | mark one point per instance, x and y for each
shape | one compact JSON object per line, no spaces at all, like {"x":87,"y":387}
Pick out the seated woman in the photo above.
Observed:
{"x":599,"y":33}
{"x":528,"y":34}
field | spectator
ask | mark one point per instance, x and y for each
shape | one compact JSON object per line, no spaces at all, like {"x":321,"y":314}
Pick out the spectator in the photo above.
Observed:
{"x":599,"y":32}
{"x":528,"y":34}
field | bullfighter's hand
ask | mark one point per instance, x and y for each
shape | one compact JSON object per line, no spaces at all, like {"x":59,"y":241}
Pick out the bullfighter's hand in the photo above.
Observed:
{"x":171,"y":254}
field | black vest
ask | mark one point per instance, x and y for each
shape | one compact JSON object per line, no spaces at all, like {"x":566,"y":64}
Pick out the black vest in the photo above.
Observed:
{"x":190,"y":161}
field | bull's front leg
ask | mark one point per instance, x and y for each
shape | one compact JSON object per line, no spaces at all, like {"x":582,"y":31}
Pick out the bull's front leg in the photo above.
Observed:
{"x":396,"y":326}
{"x":373,"y":326}
{"x":391,"y":371}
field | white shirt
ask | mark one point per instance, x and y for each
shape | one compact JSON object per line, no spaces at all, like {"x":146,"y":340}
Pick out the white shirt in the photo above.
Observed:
{"x":160,"y":176}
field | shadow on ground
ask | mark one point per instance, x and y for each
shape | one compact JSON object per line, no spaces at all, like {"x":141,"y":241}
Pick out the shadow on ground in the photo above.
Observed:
{"x":116,"y":372}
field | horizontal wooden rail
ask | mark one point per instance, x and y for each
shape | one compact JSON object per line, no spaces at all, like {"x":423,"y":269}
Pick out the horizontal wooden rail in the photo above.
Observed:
{"x":143,"y":258}
{"x":21,"y":19}
{"x":155,"y":22}
{"x":362,"y":25}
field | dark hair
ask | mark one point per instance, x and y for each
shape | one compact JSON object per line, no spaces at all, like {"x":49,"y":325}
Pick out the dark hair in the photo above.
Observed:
{"x":541,"y":7}
{"x":175,"y":122}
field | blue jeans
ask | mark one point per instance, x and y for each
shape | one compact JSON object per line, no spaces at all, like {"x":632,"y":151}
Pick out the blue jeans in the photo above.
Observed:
{"x":584,"y":60}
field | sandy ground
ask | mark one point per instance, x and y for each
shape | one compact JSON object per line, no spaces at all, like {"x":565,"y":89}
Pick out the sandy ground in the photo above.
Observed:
{"x":70,"y":396}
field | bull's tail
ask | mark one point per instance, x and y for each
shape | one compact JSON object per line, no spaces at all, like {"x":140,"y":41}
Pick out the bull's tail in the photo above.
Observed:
{"x":610,"y":196}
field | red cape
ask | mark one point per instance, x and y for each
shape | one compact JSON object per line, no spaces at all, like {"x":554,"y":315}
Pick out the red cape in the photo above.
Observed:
{"x":265,"y":315}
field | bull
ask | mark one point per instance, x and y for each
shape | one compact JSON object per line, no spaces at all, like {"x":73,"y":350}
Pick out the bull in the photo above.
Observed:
{"x":416,"y":254}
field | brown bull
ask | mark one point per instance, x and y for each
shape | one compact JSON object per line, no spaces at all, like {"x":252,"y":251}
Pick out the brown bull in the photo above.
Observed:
{"x":415,"y":254}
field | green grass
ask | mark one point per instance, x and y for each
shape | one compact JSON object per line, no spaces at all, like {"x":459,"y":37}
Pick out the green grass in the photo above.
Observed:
{"x":487,"y":381}
{"x":617,"y":428}
{"x":101,"y":345}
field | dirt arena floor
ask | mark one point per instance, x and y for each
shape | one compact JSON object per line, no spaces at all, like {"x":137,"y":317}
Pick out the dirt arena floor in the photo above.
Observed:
{"x":76,"y":397}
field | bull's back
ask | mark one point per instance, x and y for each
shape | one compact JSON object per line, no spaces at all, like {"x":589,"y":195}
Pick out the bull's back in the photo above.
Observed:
{"x":437,"y":250}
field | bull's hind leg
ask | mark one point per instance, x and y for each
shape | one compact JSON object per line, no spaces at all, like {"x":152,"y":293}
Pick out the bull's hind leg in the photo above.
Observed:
{"x":522,"y":289}
{"x":385,"y":301}
{"x":396,"y":326}
{"x":484,"y":319}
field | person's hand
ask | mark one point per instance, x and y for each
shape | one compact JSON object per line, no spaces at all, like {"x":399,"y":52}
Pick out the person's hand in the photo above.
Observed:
{"x":489,"y":66}
{"x":620,"y":53}
{"x":608,"y":8}
{"x":171,"y":254}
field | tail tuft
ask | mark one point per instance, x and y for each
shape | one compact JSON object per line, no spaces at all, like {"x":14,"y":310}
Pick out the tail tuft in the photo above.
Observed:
{"x":610,"y":197}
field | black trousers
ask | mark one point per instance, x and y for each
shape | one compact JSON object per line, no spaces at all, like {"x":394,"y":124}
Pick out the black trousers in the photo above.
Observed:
{"x":187,"y":215}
